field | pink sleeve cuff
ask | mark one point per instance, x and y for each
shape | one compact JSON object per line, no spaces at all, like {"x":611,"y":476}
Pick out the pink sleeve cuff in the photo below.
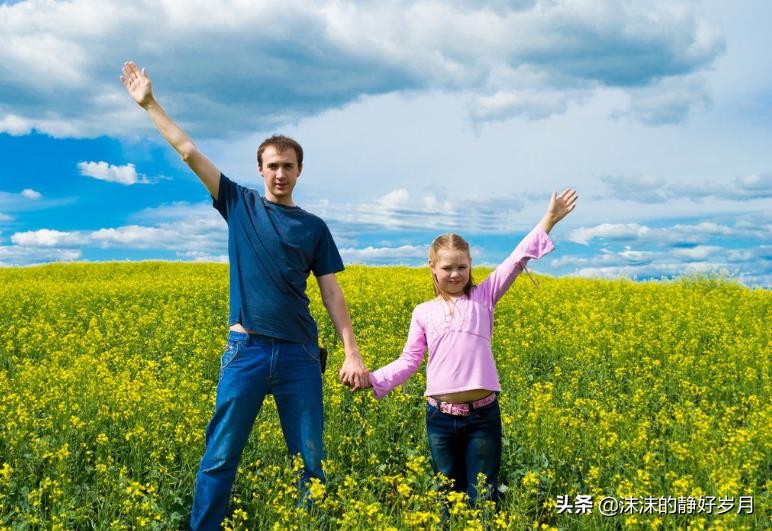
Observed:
{"x":536,"y":244}
{"x":379,"y":388}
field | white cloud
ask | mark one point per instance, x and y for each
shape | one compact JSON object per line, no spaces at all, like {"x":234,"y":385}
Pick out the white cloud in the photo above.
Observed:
{"x":49,"y":238}
{"x":697,"y":253}
{"x":394,"y":198}
{"x":198,"y":256}
{"x":385,"y":255}
{"x":644,"y":189}
{"x":667,"y":101}
{"x":15,"y":255}
{"x":651,"y":189}
{"x":627,"y":257}
{"x":671,"y":235}
{"x":531,"y":104}
{"x":5,"y":217}
{"x":189,"y":230}
{"x":60,"y":60}
{"x":654,"y":270}
{"x":610,"y":231}
{"x":31,"y":194}
{"x":125,"y":175}
{"x":136,"y":237}
{"x":401,"y":210}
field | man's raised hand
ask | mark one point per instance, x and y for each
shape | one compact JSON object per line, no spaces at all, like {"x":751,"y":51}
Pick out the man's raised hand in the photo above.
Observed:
{"x":137,"y":83}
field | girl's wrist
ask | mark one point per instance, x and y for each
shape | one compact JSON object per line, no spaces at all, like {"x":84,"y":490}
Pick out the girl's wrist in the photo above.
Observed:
{"x":547,"y":222}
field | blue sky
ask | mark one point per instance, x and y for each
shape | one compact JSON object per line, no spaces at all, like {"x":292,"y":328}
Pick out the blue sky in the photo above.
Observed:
{"x":416,"y":117}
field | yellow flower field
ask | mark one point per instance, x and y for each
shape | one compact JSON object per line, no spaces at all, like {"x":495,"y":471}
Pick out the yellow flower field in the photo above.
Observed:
{"x":653,"y":395}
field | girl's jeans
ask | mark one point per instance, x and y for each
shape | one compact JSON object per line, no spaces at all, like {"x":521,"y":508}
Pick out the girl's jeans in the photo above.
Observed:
{"x":463,"y":447}
{"x":251,"y":367}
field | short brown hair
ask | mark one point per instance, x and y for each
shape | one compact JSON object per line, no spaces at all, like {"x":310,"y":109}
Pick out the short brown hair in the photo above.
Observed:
{"x":450,"y":242}
{"x":280,"y":143}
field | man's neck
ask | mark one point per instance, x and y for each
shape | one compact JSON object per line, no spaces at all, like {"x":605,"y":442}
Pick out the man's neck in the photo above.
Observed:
{"x":284,"y":201}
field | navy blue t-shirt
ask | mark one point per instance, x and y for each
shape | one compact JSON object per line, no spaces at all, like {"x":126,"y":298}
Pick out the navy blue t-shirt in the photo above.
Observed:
{"x":272,"y":248}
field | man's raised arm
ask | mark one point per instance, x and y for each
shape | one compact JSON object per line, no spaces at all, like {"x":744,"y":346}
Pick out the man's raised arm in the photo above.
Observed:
{"x":140,"y":89}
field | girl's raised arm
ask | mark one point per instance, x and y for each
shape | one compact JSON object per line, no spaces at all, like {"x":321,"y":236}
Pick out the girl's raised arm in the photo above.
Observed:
{"x":560,"y":206}
{"x":535,"y":245}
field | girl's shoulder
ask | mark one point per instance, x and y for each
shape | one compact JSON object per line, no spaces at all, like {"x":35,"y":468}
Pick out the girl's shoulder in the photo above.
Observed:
{"x":425,"y":306}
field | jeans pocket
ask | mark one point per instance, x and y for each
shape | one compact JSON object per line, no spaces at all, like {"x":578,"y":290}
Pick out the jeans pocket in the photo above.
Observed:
{"x":311,"y":350}
{"x":490,"y":411}
{"x":229,"y":354}
{"x":431,"y":412}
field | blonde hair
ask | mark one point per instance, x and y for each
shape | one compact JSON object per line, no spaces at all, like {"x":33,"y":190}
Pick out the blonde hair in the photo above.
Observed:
{"x":449,"y":242}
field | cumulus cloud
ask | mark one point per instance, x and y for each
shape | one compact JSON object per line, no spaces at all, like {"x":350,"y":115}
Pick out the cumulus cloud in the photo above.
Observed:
{"x":31,"y":194}
{"x":125,"y":175}
{"x":49,"y":238}
{"x":609,"y":231}
{"x":192,"y":231}
{"x":403,"y":254}
{"x":703,"y":247}
{"x":687,"y":235}
{"x":59,"y":66}
{"x":394,"y":198}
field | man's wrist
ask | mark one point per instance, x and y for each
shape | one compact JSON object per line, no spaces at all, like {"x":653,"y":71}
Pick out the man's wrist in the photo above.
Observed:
{"x":147,"y":104}
{"x":352,"y":353}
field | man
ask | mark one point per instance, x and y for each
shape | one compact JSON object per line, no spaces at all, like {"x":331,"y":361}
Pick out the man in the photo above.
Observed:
{"x":273,"y":344}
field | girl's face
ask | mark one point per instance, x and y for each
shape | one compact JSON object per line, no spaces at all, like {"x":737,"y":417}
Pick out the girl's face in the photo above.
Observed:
{"x":451,"y":269}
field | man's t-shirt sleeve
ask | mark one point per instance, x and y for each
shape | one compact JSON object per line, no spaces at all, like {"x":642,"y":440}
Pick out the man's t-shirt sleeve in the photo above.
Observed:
{"x":227,"y":195}
{"x":327,"y":259}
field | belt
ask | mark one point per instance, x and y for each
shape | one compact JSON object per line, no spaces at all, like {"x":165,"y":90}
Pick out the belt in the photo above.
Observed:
{"x":464,"y":408}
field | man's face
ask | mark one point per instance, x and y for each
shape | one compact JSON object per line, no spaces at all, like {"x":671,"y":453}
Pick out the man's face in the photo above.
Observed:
{"x":280,"y":173}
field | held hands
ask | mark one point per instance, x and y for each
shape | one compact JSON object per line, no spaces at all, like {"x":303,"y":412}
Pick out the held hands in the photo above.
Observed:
{"x":353,"y":373}
{"x":137,"y":83}
{"x":560,"y":206}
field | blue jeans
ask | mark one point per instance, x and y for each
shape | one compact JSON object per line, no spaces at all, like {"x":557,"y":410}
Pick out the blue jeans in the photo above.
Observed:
{"x":463,"y":447}
{"x":251,"y":367}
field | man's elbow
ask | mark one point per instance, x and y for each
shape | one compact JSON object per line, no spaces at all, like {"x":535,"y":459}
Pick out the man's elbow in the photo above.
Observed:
{"x":187,"y":152}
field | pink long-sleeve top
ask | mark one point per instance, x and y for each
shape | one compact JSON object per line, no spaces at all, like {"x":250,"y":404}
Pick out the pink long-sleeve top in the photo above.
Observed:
{"x":459,"y":345}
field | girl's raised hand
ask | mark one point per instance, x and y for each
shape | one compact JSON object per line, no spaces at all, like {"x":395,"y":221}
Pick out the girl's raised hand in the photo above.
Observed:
{"x":560,"y":206}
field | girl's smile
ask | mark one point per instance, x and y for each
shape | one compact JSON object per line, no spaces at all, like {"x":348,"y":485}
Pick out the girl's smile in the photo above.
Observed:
{"x":451,"y":269}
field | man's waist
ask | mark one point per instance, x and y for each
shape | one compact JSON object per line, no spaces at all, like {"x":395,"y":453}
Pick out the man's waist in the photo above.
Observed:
{"x":238,"y":328}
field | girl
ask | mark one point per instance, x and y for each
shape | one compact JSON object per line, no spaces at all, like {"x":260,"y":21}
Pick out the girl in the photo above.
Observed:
{"x":463,"y":421}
